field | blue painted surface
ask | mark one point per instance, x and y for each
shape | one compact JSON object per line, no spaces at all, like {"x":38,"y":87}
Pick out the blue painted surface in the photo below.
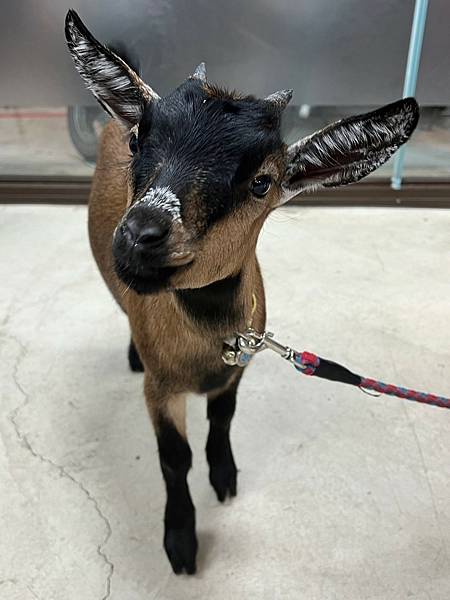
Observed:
{"x":412,"y":70}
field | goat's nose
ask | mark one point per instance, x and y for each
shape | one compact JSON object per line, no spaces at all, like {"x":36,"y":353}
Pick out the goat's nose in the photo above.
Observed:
{"x":150,"y":234}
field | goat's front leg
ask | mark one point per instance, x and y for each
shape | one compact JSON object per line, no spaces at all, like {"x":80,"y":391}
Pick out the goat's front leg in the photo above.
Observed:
{"x":222,"y":468}
{"x":169,"y":420}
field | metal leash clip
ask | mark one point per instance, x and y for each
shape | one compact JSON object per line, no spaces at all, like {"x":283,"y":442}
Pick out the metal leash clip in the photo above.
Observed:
{"x":239,"y":350}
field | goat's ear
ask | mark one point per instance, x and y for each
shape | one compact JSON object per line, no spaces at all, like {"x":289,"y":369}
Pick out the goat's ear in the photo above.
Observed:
{"x":117,"y":87}
{"x":348,"y":150}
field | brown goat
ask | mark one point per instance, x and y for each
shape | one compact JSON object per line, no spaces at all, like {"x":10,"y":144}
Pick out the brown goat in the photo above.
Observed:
{"x":182,"y":187}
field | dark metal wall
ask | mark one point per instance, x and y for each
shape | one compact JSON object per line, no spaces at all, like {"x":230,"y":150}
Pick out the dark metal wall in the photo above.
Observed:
{"x":331,"y":52}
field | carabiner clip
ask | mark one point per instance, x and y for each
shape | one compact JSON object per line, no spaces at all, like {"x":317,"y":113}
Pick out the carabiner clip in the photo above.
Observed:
{"x":240,"y":349}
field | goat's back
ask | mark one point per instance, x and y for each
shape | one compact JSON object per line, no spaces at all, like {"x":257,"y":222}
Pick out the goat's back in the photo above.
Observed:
{"x":107,"y":203}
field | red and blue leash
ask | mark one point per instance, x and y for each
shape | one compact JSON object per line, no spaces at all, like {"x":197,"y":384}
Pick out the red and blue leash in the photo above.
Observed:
{"x":311,"y":364}
{"x":239,"y":350}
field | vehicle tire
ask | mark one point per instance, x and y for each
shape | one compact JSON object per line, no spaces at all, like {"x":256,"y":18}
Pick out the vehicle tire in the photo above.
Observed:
{"x":85,"y":124}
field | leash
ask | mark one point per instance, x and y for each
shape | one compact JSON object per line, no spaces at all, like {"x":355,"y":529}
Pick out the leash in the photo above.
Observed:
{"x":239,"y":350}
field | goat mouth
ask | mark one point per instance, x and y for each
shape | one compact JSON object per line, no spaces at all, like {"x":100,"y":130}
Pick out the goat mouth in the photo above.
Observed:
{"x":149,"y":282}
{"x":179,"y":259}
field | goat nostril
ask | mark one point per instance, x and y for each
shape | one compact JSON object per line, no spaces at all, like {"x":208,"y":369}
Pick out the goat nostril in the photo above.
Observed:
{"x":126,"y":232}
{"x":152,"y":234}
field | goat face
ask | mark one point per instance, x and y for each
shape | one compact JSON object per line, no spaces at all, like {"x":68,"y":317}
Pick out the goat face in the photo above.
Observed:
{"x":205,"y":170}
{"x":207,"y":166}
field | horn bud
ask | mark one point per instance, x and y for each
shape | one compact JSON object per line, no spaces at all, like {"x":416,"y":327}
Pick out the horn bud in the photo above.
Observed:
{"x":200,"y":73}
{"x":280,"y":99}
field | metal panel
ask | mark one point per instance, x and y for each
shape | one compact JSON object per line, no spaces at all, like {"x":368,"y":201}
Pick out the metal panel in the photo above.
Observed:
{"x":331,"y":53}
{"x":433,"y":85}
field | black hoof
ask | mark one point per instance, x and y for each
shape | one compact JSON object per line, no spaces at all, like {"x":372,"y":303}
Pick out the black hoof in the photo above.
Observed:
{"x":181,"y":548}
{"x":223,"y":478}
{"x":133,"y":358}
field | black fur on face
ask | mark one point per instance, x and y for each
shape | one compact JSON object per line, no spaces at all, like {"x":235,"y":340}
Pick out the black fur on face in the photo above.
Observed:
{"x":205,"y":145}
{"x":199,"y":156}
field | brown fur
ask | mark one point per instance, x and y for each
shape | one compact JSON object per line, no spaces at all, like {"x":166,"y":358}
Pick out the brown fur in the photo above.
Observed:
{"x":175,"y":351}
{"x":208,"y":269}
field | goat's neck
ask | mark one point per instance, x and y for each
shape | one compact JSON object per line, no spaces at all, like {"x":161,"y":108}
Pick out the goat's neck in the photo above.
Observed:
{"x":227,"y":304}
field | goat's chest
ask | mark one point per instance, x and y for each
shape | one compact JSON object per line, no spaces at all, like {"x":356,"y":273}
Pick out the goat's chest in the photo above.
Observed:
{"x":182,"y":361}
{"x":215,"y":379}
{"x":196,"y":368}
{"x":181,"y":353}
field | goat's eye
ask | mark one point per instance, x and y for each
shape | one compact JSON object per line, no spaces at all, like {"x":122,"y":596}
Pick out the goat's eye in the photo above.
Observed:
{"x":133,"y":143}
{"x":261,"y":185}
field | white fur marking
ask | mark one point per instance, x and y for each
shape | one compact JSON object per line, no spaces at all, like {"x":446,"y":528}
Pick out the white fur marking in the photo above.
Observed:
{"x":163,"y":199}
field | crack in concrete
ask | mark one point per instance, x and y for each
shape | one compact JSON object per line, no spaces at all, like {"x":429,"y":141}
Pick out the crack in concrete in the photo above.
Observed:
{"x":33,"y":593}
{"x":23,"y":438}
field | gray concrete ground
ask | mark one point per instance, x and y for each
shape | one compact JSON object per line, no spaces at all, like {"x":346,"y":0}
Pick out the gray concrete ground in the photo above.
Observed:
{"x":341,"y":496}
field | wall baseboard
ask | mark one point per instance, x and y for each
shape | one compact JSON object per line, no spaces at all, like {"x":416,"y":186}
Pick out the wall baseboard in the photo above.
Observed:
{"x":430,"y":193}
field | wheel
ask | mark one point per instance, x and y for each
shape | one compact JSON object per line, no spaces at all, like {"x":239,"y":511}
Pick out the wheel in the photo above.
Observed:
{"x":85,"y":124}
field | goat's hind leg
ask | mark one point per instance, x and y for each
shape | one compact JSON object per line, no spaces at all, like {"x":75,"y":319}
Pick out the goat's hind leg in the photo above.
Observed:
{"x":134,"y":360}
{"x":222,"y":468}
{"x":180,"y":540}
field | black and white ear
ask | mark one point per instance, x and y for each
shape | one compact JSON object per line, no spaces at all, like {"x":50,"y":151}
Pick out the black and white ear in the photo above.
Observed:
{"x":348,"y":150}
{"x":117,"y":87}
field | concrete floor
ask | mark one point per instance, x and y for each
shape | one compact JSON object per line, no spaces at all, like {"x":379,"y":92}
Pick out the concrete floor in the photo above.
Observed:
{"x":341,"y":496}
